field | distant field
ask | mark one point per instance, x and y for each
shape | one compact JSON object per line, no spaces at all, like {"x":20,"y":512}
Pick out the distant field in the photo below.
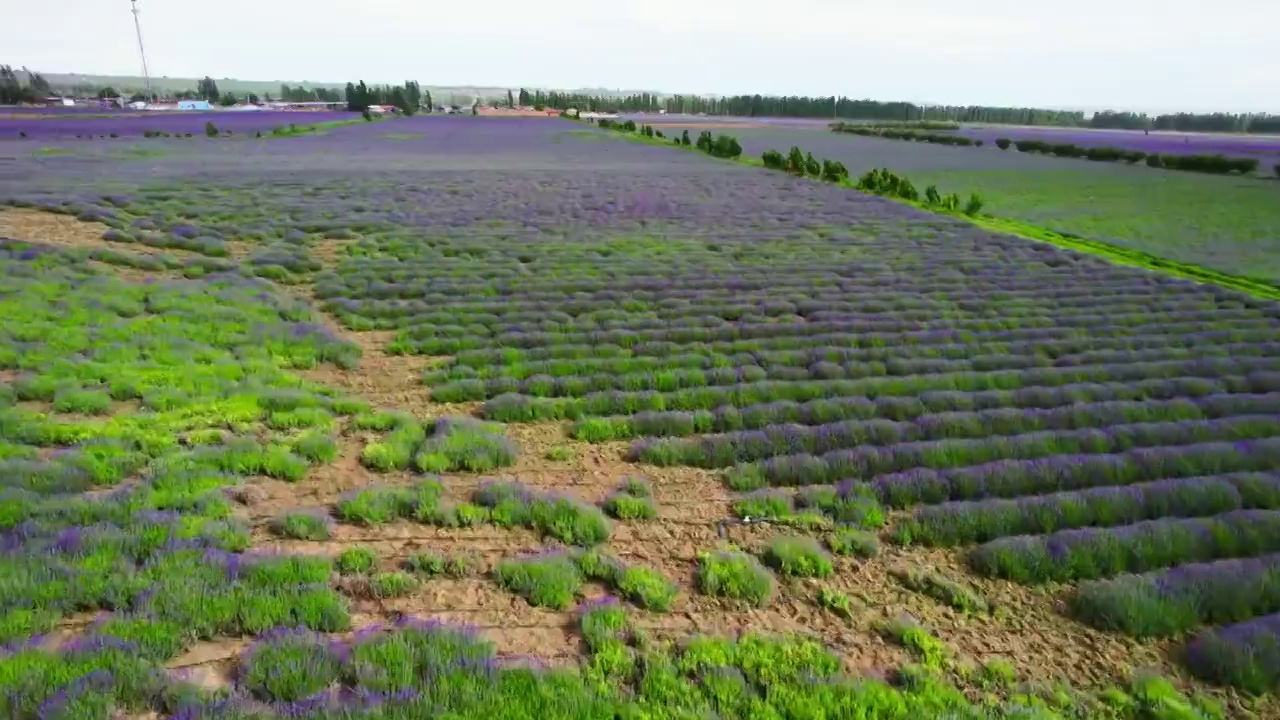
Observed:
{"x":1230,"y":224}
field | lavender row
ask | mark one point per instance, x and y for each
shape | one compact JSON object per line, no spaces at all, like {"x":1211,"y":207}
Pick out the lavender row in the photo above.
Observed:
{"x":670,"y":379}
{"x":868,"y":461}
{"x":1168,"y":602}
{"x":1180,"y":397}
{"x":469,"y":338}
{"x":1092,"y":553}
{"x":777,"y":302}
{"x":1015,"y":478}
{"x":522,"y":408}
{"x":984,"y":356}
{"x":876,"y":347}
{"x":646,"y":282}
{"x":463,"y":324}
{"x":715,"y":451}
{"x":1245,"y":655}
{"x":961,"y":523}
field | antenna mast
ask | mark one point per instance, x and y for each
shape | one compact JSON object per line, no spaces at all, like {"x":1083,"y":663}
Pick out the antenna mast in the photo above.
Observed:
{"x":146,"y":77}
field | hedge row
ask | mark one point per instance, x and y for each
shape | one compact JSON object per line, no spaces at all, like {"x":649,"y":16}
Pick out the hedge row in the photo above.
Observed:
{"x":960,"y":523}
{"x":716,"y":451}
{"x":1168,"y":602}
{"x":1103,"y":552}
{"x":868,"y":461}
{"x":1016,"y":478}
{"x":905,"y":134}
{"x":1217,"y":164}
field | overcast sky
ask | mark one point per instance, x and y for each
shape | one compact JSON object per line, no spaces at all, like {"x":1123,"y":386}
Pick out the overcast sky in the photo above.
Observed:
{"x":1153,"y":55}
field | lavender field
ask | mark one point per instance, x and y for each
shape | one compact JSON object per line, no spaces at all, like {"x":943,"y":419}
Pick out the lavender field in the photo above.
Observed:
{"x":1225,"y":223}
{"x":512,"y":417}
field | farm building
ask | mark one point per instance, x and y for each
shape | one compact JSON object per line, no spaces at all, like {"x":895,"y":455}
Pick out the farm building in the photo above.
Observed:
{"x":194,"y":105}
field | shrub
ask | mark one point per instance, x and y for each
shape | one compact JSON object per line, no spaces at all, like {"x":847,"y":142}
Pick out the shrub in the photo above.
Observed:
{"x":374,"y":506}
{"x":432,"y":564}
{"x":559,"y":453}
{"x":775,"y":161}
{"x":724,"y":146}
{"x":852,"y":541}
{"x":812,"y":167}
{"x":798,"y":556}
{"x":974,"y":206}
{"x":940,"y":588}
{"x":210,"y":129}
{"x":1277,"y":169}
{"x":646,"y":587}
{"x":552,"y":580}
{"x":909,"y":633}
{"x":836,"y":602}
{"x":390,"y":584}
{"x":570,"y":521}
{"x":977,"y":143}
{"x":795,"y":161}
{"x":288,"y":665}
{"x":1002,"y":143}
{"x":356,"y":560}
{"x":302,"y":526}
{"x":734,"y":574}
{"x":316,"y":447}
{"x":464,"y":444}
{"x":623,"y":506}
{"x":684,"y":138}
{"x":833,"y":171}
{"x":1154,"y":161}
{"x":932,"y":196}
{"x":1168,"y":602}
{"x":1245,"y":655}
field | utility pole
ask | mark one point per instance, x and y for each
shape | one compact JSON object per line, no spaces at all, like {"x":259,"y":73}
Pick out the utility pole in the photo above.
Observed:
{"x":137,"y":26}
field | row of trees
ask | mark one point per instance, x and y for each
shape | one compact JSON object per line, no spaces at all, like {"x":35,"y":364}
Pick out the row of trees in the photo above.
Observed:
{"x":643,"y":102}
{"x":408,"y":97}
{"x":1188,"y":122}
{"x":846,"y":108}
{"x":305,"y":94}
{"x":14,"y":91}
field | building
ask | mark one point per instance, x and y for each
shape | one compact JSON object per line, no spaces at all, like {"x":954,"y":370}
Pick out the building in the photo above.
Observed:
{"x":194,"y":105}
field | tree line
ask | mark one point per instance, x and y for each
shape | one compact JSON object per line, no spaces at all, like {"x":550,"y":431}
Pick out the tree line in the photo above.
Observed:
{"x":849,"y":109}
{"x":409,"y":98}
{"x":641,"y":102}
{"x":1262,"y":123}
{"x":14,"y":91}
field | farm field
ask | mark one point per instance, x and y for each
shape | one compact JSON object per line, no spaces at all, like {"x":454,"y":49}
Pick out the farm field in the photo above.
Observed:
{"x":507,"y":417}
{"x":69,"y":126}
{"x":1229,"y":224}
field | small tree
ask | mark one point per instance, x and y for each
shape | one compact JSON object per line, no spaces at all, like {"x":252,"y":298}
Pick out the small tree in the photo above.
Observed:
{"x":812,"y":167}
{"x":974,"y":206}
{"x":208,"y":89}
{"x":227,"y":100}
{"x":834,"y":171}
{"x":684,"y":138}
{"x":1003,"y":143}
{"x":795,"y":161}
{"x":210,"y":129}
{"x":931,"y":195}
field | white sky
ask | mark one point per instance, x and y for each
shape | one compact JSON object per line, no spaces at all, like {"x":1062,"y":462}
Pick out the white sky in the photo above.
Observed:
{"x":1152,"y":55}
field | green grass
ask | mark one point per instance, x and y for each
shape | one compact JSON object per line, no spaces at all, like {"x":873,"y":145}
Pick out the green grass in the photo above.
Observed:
{"x":1228,"y":224}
